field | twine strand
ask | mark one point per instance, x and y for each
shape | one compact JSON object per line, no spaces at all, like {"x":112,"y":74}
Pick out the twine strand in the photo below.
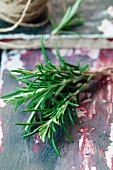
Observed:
{"x":103,"y":71}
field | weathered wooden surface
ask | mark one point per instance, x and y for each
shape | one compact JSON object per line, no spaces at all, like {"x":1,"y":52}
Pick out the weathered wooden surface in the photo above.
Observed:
{"x":62,"y":42}
{"x":93,"y":146}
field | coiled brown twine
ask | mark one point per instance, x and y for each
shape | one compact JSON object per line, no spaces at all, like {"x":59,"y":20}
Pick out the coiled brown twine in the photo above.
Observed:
{"x":21,"y":12}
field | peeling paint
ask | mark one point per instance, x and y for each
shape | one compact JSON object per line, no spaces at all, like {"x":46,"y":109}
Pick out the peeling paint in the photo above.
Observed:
{"x":93,"y":54}
{"x":2,"y":103}
{"x":1,"y":135}
{"x":110,"y":111}
{"x":109,"y":92}
{"x":85,"y":99}
{"x":83,"y":139}
{"x":86,"y":149}
{"x":14,"y":61}
{"x":73,"y":167}
{"x":93,"y":168}
{"x":110,"y":10}
{"x":36,"y":142}
{"x":87,"y":152}
{"x":64,"y":52}
{"x":11,"y":60}
{"x":81,"y":111}
{"x":92,"y":110}
{"x":106,"y":27}
{"x":1,"y":84}
{"x":109,"y":152}
{"x":88,"y":107}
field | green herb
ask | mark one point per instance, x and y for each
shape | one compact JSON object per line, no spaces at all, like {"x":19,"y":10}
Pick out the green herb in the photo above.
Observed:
{"x":53,"y":92}
{"x":69,"y":20}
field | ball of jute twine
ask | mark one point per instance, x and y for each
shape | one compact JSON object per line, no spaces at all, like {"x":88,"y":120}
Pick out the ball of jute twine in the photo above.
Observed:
{"x":21,"y":12}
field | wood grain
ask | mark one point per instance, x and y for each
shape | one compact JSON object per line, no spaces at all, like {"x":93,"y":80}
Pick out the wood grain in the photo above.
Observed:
{"x":62,"y":42}
{"x":93,"y":138}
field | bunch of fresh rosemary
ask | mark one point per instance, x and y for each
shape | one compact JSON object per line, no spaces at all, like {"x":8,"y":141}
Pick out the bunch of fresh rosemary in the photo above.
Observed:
{"x":51,"y":90}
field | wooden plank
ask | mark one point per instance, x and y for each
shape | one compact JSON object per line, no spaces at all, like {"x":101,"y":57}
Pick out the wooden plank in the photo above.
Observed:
{"x":62,"y":42}
{"x":92,"y":148}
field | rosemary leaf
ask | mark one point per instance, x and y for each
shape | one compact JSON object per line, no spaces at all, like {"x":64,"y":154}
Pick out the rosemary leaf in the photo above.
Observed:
{"x":69,"y":19}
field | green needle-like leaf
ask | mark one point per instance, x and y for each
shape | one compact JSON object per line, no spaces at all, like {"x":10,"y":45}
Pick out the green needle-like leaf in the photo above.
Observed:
{"x":69,"y":19}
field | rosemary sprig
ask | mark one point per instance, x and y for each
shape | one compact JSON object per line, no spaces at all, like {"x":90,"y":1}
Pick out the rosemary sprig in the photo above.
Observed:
{"x":69,"y":20}
{"x":52,"y":92}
